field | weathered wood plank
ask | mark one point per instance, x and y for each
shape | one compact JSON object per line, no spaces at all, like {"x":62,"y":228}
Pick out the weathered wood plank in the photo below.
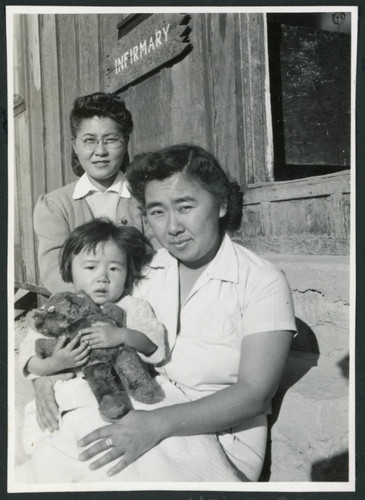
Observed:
{"x":190,"y":105}
{"x":69,"y":88}
{"x":26,"y":265}
{"x":108,"y":40}
{"x":89,"y":57}
{"x":51,"y":109}
{"x":256,"y":105}
{"x":224,"y":96}
{"x":300,"y":188}
{"x":293,"y":227}
{"x":148,"y":106}
{"x":35,"y":106}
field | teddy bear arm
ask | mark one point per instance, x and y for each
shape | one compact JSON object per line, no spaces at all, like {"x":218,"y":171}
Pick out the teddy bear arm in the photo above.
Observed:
{"x":115,"y":313}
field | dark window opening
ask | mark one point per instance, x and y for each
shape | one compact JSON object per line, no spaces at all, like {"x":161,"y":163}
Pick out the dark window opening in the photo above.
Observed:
{"x":310,"y":76}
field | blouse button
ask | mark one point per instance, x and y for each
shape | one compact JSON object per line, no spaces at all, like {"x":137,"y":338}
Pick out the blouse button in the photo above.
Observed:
{"x":124,"y":221}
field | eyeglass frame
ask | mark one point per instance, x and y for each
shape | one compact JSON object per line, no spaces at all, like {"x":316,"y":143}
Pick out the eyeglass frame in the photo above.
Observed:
{"x":120,"y":139}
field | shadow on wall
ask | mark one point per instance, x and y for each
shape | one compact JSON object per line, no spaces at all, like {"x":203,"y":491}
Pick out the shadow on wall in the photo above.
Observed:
{"x":305,"y":341}
{"x":304,"y":356}
{"x":335,"y":468}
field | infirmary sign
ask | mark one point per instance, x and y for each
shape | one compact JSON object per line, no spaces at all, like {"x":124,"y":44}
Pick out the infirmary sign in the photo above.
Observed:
{"x":148,"y":46}
{"x":138,"y":52}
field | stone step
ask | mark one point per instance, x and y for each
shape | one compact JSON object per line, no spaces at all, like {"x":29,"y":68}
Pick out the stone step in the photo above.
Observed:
{"x":320,"y":286}
{"x":309,"y":424}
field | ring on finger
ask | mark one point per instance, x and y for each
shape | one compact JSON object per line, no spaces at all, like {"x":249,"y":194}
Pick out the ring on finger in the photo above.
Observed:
{"x":109,"y":442}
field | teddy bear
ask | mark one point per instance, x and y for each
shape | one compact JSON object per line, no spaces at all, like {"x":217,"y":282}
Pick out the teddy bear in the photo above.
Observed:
{"x":113,"y":374}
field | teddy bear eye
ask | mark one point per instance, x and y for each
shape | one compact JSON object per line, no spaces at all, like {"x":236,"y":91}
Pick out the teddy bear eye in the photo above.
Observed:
{"x":51,"y":309}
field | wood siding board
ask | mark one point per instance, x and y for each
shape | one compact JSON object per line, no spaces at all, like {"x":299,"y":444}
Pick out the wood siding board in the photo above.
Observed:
{"x":108,"y":39}
{"x":247,"y":110}
{"x":337,"y":215}
{"x":240,"y":131}
{"x":129,"y":99}
{"x":255,"y":104}
{"x":188,"y":107}
{"x":88,"y":58}
{"x":25,"y":201}
{"x":18,"y":258}
{"x":148,"y":108}
{"x":222,"y":67}
{"x":166,"y":98}
{"x":300,"y":188}
{"x":51,"y":104}
{"x":34,"y":107}
{"x":258,"y":69}
{"x":69,"y":89}
{"x":208,"y":80}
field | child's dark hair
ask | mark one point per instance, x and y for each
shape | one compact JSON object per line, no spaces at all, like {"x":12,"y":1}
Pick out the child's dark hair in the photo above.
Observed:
{"x":198,"y":164}
{"x":138,"y":249}
{"x":102,"y":105}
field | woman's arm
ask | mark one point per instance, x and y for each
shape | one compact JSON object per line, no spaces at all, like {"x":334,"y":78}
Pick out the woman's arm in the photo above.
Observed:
{"x":263,"y":358}
{"x":51,"y":229}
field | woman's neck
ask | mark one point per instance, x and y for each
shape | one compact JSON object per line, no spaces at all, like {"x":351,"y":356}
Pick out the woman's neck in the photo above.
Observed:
{"x":189,"y":272}
{"x":102,"y":184}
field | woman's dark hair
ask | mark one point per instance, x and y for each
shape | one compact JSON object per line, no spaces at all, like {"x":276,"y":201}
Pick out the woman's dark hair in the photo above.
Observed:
{"x":138,"y":250}
{"x":104,"y":106}
{"x":197,"y":164}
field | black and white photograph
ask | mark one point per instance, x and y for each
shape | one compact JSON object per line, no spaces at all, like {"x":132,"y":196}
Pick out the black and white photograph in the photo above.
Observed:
{"x":181,"y":248}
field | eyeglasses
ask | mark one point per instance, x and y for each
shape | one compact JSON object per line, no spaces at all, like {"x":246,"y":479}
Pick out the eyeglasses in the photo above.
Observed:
{"x":90,"y":143}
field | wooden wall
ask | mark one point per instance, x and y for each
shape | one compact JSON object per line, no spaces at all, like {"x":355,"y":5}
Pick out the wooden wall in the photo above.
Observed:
{"x":217,"y":96}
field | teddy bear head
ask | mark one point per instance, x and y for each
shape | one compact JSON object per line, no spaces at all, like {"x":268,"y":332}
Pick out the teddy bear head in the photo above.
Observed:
{"x":59,"y":312}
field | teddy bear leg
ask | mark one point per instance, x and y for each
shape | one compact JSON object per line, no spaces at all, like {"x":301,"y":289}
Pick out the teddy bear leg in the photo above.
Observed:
{"x":110,"y":394}
{"x":134,"y":376}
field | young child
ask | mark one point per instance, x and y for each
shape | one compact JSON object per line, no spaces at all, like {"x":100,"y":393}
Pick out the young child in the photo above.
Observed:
{"x":103,"y":261}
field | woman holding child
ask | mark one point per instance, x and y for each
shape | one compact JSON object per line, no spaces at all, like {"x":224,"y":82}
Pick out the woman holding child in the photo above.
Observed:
{"x":228,"y":315}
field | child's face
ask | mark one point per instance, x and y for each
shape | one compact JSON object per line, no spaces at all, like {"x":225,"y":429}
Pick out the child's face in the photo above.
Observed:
{"x":101,"y":274}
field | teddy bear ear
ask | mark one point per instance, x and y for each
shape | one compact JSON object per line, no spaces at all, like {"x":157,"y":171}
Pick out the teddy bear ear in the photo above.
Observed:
{"x":32,"y":316}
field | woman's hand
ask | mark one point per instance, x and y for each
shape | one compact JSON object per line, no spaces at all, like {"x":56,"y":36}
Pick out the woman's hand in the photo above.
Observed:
{"x":103,"y":335}
{"x":131,"y":437}
{"x":66,"y":357}
{"x":47,"y":409}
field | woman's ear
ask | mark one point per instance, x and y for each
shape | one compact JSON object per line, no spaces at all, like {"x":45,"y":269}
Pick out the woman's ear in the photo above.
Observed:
{"x":74,"y":145}
{"x":222,"y":209}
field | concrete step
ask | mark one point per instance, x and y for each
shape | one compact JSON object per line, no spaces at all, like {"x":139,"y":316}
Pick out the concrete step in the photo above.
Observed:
{"x":309,"y":424}
{"x":320,"y":286}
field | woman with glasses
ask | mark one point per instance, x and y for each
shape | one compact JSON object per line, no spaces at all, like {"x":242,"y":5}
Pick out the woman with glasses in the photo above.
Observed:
{"x":100,"y":127}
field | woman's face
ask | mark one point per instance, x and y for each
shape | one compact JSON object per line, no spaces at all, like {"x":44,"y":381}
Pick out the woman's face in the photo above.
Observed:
{"x":185,"y":218}
{"x":101,"y":164}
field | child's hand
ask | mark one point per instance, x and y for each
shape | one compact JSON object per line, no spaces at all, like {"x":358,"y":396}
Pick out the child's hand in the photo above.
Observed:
{"x":69,"y":356}
{"x":101,"y":335}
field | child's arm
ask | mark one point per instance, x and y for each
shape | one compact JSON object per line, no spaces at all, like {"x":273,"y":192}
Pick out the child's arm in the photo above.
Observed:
{"x":64,"y":357}
{"x":104,"y":335}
